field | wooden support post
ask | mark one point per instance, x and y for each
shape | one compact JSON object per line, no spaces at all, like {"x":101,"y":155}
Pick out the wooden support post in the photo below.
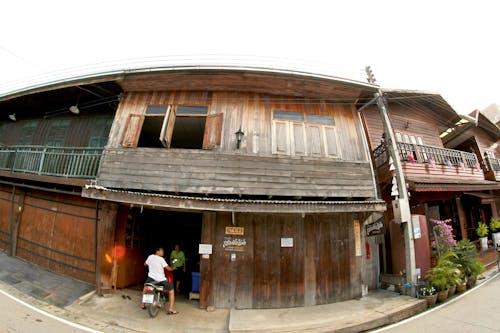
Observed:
{"x":17,"y":221}
{"x":494,"y":211}
{"x":461,"y":217}
{"x":206,"y":264}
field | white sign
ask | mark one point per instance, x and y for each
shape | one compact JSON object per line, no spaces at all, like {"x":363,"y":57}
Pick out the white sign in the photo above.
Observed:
{"x":286,"y":242}
{"x":205,"y":249}
{"x":416,"y":227}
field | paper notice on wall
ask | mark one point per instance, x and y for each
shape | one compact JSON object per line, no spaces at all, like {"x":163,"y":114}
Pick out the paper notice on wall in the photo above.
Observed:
{"x":357,"y":237}
{"x":205,"y":249}
{"x":286,"y":242}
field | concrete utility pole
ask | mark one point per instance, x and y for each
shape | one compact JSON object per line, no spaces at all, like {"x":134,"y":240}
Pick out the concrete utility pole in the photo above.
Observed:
{"x":401,"y":204}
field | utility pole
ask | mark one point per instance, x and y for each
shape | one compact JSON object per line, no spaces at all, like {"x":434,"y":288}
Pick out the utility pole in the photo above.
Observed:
{"x":401,"y":202}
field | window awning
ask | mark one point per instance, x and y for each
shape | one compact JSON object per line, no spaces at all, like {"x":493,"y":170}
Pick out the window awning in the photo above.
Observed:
{"x":428,"y":184}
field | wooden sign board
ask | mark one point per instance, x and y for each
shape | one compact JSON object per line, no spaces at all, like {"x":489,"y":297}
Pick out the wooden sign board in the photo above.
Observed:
{"x":238,"y":231}
{"x":357,"y":237}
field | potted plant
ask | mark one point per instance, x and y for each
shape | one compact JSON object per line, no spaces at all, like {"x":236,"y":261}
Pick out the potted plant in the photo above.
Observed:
{"x":461,"y":284}
{"x":443,"y":275}
{"x":429,"y":294}
{"x":482,"y":233}
{"x":467,"y":260}
{"x":495,"y":230}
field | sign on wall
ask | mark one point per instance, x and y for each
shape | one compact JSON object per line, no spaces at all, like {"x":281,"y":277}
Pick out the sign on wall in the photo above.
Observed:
{"x":205,"y":249}
{"x":286,"y":242}
{"x":375,"y":228}
{"x":357,"y":237}
{"x":238,"y":231}
{"x":234,"y":244}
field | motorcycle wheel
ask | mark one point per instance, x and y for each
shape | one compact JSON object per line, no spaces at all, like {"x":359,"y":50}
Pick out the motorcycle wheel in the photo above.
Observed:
{"x":153,"y":309}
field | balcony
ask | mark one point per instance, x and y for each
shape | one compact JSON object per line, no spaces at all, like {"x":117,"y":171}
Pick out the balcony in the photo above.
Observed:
{"x":69,"y":162}
{"x":428,"y":161}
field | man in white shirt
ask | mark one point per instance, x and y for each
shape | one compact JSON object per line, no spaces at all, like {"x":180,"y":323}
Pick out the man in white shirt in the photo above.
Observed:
{"x":156,"y":265}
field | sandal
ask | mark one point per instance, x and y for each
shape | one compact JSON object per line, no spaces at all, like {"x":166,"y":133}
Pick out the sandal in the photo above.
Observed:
{"x":172,"y":312}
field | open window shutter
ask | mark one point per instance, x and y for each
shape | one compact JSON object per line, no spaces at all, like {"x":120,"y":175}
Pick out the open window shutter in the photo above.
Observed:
{"x":213,"y":131}
{"x":164,"y":127}
{"x":281,"y":138}
{"x":168,"y":127}
{"x":132,"y":130}
{"x":331,"y":142}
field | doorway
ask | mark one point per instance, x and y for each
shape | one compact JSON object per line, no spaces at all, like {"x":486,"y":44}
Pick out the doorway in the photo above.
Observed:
{"x":161,"y":228}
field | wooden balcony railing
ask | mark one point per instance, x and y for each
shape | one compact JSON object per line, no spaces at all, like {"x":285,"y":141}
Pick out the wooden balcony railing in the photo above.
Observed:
{"x":68,"y":162}
{"x":426,"y":154}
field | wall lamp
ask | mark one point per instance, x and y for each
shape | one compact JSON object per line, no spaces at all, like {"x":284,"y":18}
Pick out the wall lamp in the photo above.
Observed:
{"x":74,"y":109}
{"x":239,"y":135}
{"x":12,"y":117}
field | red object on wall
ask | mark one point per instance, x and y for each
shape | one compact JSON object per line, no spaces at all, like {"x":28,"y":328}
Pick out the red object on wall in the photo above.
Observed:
{"x":368,"y":251}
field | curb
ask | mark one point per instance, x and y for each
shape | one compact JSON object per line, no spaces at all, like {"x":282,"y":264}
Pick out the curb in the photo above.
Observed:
{"x":451,"y":301}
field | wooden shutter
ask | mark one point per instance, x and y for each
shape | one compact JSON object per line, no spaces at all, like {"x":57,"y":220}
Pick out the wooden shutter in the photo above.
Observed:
{"x":168,"y":127}
{"x":213,"y":131}
{"x":132,"y":130}
{"x":315,"y":140}
{"x":164,"y":127}
{"x":298,"y":138}
{"x":281,"y":138}
{"x":331,"y":142}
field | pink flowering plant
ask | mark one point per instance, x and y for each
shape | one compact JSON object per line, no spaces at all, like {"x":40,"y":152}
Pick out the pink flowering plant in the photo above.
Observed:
{"x":444,"y":240}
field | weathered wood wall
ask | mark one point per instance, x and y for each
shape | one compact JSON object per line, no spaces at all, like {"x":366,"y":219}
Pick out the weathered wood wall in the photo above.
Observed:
{"x":58,"y":232}
{"x":250,"y":111}
{"x":64,"y":130}
{"x":321,"y":267}
{"x":403,"y":120}
{"x":198,"y":171}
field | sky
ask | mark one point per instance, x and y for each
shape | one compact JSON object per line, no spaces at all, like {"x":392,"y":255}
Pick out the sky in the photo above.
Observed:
{"x":450,"y":47}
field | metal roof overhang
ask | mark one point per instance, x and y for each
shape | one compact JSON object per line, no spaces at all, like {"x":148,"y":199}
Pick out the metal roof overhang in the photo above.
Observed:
{"x":443,"y":185}
{"x":232,"y":205}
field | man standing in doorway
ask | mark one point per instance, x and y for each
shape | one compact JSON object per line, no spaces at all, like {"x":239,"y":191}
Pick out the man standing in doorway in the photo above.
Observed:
{"x":178,"y":261}
{"x":157,"y":265}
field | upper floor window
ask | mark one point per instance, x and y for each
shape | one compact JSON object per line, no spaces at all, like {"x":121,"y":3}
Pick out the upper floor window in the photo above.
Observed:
{"x":182,"y":126}
{"x":296,"y":133}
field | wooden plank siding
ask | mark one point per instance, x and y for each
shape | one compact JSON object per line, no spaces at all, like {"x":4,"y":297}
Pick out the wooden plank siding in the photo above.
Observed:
{"x":253,"y":169}
{"x":405,"y":121}
{"x":196,"y":171}
{"x":320,"y":268}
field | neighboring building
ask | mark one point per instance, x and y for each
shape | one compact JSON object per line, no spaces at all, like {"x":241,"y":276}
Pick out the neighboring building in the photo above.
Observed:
{"x":492,"y":112}
{"x":440,"y":180}
{"x":47,"y":154}
{"x":269,"y":169}
{"x":476,"y":133}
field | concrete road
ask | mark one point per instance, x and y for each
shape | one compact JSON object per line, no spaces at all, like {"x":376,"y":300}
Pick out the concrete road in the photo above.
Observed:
{"x":17,"y":316}
{"x":477,"y":311}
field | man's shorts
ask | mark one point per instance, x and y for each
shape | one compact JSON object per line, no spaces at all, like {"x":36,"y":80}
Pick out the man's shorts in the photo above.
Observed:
{"x":165,"y":284}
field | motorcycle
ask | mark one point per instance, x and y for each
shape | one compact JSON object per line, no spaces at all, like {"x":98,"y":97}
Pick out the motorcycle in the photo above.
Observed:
{"x":154,"y":298}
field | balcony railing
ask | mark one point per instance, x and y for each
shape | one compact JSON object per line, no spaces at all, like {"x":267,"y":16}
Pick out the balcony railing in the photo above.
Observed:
{"x":68,"y":162}
{"x":491,"y":163}
{"x":427,"y":154}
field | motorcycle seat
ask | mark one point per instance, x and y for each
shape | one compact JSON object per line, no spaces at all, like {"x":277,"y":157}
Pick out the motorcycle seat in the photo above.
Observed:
{"x":154,"y":285}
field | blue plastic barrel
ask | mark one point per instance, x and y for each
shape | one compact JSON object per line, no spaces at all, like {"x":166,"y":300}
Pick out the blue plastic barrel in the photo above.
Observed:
{"x":195,"y":282}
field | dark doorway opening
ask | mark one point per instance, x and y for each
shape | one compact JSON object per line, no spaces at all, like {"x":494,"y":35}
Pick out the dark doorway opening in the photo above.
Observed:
{"x":188,"y":132}
{"x":168,"y":228}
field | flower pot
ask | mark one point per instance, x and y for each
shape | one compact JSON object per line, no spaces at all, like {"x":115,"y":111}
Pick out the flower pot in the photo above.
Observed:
{"x":461,"y":287}
{"x":451,"y":290}
{"x":484,"y":243}
{"x":471,"y":282}
{"x":496,"y":239}
{"x":431,"y":300}
{"x":442,"y":295}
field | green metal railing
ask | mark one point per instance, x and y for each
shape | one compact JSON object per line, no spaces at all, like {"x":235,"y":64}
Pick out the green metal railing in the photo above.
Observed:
{"x":71,"y":162}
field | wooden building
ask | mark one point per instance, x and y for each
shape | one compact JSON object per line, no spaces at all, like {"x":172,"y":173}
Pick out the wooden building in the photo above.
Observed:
{"x":440,"y":180}
{"x":269,"y":170}
{"x":47,"y":154}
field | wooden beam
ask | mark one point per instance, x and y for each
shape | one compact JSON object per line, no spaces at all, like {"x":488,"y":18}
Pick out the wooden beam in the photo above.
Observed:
{"x":462,"y":218}
{"x":17,"y":221}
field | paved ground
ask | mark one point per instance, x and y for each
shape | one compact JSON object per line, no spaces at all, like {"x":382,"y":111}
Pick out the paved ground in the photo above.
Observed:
{"x":477,"y":311}
{"x":119,"y":313}
{"x":41,"y":283}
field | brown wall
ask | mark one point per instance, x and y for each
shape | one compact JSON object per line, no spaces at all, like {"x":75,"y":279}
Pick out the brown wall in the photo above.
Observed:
{"x":251,"y":111}
{"x":320,"y":268}
{"x":418,"y":124}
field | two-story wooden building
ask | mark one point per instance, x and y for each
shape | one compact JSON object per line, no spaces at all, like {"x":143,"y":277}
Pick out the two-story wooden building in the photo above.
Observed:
{"x":268,"y":169}
{"x":438,"y":179}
